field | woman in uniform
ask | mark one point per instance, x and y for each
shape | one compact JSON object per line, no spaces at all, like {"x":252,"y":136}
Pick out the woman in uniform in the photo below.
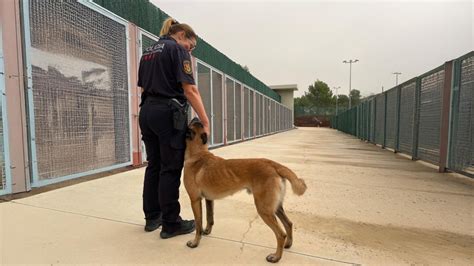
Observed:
{"x":167,"y":82}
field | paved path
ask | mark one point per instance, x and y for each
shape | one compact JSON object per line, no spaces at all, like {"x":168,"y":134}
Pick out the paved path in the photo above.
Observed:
{"x":364,"y":205}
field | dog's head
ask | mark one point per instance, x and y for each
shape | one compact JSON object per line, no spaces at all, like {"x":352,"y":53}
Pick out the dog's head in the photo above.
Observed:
{"x":195,"y":133}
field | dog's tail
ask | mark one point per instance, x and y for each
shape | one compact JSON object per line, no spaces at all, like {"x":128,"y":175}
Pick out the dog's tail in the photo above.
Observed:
{"x":297,"y":184}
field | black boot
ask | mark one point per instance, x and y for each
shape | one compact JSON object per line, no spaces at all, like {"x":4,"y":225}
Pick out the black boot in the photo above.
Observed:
{"x":181,"y":228}
{"x":153,"y":224}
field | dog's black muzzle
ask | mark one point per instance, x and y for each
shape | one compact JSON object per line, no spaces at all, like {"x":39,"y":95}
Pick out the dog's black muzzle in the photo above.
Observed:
{"x":189,"y":134}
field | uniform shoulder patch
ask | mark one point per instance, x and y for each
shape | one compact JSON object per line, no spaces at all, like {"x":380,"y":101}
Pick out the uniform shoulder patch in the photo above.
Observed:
{"x":187,"y":67}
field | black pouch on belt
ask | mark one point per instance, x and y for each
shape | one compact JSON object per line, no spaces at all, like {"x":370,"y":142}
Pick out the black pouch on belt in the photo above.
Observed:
{"x":180,"y":114}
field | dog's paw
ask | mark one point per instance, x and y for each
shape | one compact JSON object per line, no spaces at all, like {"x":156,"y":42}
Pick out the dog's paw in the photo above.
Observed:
{"x":207,"y":231}
{"x":192,"y":244}
{"x":288,"y":243}
{"x":273,"y":258}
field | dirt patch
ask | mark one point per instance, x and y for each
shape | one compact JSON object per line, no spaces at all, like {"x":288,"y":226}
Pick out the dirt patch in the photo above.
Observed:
{"x":413,"y":245}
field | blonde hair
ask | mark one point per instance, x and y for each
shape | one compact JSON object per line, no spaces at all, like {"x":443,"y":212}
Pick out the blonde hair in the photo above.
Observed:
{"x":171,"y":26}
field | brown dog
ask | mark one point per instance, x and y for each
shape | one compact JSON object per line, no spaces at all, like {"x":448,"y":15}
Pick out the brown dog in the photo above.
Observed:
{"x":211,"y":177}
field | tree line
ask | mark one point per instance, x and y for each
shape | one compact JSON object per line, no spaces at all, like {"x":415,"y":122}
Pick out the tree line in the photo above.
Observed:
{"x":320,"y":100}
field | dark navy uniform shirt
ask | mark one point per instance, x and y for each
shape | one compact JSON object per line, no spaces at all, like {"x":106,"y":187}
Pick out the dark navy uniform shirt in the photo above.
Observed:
{"x":164,"y":67}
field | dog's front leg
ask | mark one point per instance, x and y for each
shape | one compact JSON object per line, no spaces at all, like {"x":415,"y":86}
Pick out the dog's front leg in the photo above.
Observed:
{"x":209,"y":216}
{"x":197,"y":210}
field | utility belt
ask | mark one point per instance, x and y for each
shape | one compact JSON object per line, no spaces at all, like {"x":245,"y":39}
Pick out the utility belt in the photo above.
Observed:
{"x":180,"y":109}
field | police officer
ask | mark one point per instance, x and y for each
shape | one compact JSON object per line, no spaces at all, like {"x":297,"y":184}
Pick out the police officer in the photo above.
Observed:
{"x":166,"y":78}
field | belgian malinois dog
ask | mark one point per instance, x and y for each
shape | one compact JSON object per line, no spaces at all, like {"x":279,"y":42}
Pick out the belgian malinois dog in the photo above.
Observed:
{"x":211,"y":177}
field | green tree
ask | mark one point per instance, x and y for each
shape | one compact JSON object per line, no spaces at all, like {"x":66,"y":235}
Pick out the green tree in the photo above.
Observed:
{"x":342,"y":102}
{"x":319,"y":94}
{"x":355,"y":97}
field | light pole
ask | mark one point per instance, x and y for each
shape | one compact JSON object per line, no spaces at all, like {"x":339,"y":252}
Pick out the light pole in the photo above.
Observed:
{"x":396,"y":75}
{"x":350,"y":76}
{"x":337,"y":96}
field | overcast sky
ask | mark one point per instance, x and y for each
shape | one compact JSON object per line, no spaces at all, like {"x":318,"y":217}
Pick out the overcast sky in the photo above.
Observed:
{"x":299,"y":42}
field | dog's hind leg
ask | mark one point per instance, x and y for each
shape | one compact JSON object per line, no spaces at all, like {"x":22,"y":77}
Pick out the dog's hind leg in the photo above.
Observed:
{"x":269,"y":218}
{"x":197,"y":210}
{"x":209,"y":216}
{"x":287,"y":224}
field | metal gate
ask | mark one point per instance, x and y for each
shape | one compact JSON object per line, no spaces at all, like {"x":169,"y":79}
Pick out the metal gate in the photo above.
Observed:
{"x":251,"y":114}
{"x":217,"y":109}
{"x":230,"y":110}
{"x":204,"y":84}
{"x":78,"y":90}
{"x":238,"y":111}
{"x":258,"y":109}
{"x":145,"y":40}
{"x":246,"y":112}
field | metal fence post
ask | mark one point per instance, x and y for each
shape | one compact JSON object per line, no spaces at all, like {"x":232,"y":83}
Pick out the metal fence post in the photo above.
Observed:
{"x":375,"y":120}
{"x":397,"y":138}
{"x":384,"y":141}
{"x":444,"y":129}
{"x":454,"y":111}
{"x":416,"y":118}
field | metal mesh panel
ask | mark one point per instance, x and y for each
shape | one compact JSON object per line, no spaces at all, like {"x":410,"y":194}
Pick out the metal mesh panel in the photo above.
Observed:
{"x":238,"y":111}
{"x":270,"y":116}
{"x":430,"y":116}
{"x":217,"y":108}
{"x":3,"y":177}
{"x":277,"y":111}
{"x":362,"y":121}
{"x":407,"y":113}
{"x":462,"y":156}
{"x":391,"y":123}
{"x":267,"y":116}
{"x":246,"y":112}
{"x":379,"y":118}
{"x":204,"y":85}
{"x":273,"y":121}
{"x":283,"y":117}
{"x":372,"y":120}
{"x":230,"y":109}
{"x":251,"y":114}
{"x":262,"y":113}
{"x":288,"y":118}
{"x":258,"y":107}
{"x":80,"y":89}
{"x":367,"y":121}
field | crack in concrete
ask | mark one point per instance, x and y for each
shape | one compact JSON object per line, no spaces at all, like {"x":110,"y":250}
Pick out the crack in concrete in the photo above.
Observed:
{"x":245,"y":233}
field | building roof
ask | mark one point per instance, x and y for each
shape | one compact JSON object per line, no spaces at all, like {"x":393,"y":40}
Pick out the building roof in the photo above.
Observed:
{"x":293,"y":87}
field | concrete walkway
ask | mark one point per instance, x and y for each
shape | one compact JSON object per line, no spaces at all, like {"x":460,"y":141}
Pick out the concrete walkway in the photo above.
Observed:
{"x":364,"y":205}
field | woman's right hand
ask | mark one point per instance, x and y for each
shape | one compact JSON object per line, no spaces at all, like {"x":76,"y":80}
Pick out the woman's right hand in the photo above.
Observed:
{"x":206,"y":128}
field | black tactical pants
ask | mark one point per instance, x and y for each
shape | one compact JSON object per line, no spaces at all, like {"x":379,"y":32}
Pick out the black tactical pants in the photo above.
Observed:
{"x":165,"y":155}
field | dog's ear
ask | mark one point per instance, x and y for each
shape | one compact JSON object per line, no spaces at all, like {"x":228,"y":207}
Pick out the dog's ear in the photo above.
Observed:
{"x":195,"y":120}
{"x":204,"y":138}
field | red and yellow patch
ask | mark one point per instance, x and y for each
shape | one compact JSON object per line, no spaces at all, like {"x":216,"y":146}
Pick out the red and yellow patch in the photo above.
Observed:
{"x":187,"y":67}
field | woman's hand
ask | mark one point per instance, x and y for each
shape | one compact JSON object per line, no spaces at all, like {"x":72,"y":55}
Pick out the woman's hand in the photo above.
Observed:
{"x":206,"y":128}
{"x":194,"y":98}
